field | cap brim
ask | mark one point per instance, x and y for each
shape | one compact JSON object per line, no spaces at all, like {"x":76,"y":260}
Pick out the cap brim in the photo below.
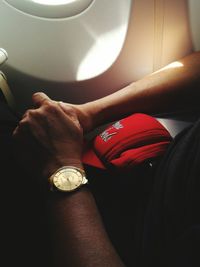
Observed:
{"x":90,"y":158}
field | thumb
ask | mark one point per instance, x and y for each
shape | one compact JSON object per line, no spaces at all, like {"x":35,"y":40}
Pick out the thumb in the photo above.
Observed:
{"x":39,"y":99}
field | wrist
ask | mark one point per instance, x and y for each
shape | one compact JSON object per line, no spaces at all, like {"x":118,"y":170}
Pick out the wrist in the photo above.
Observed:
{"x":54,"y":165}
{"x":94,"y":114}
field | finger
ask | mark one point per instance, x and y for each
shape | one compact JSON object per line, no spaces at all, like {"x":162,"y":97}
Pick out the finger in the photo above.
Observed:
{"x":21,"y":127}
{"x":27,"y":113}
{"x":39,"y":99}
{"x":19,"y":130}
{"x":23,"y":124}
{"x":16,"y":131}
{"x":69,"y":111}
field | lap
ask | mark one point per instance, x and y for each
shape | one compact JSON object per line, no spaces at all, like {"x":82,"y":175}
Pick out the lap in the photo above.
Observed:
{"x":173,"y":213}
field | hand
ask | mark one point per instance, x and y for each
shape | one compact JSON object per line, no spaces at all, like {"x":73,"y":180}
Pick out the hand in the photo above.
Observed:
{"x":58,"y":133}
{"x":83,"y":114}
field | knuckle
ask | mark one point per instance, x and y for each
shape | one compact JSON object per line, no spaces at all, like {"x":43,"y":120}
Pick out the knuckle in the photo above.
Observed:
{"x":50,"y":106}
{"x":24,"y":121}
{"x":68,"y":109}
{"x":30,"y":113}
{"x":46,"y":101}
{"x":23,"y":126}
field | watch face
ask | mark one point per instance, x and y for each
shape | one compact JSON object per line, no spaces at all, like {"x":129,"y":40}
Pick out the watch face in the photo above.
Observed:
{"x":67,"y":179}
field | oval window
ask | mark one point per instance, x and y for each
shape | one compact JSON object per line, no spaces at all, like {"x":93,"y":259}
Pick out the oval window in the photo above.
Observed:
{"x":51,"y":8}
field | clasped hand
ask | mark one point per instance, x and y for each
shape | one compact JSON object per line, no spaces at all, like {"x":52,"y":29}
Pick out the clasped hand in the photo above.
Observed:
{"x":54,"y":129}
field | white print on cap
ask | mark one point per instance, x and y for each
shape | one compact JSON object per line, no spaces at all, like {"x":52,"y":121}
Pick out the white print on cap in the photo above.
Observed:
{"x":106,"y":135}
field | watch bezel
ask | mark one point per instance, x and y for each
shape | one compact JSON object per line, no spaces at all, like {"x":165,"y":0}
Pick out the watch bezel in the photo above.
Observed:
{"x":80,"y":173}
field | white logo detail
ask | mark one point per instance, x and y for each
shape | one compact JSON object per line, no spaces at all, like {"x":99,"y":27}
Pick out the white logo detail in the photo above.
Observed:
{"x":117,"y":125}
{"x":106,"y":135}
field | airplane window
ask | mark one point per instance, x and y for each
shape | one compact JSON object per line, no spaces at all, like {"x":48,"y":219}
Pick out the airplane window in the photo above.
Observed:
{"x":51,"y":8}
{"x":54,"y":2}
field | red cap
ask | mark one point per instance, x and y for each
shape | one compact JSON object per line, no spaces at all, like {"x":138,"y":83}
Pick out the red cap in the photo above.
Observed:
{"x":127,"y":143}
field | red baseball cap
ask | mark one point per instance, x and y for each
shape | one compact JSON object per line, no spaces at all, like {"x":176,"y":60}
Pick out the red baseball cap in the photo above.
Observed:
{"x":127,"y":143}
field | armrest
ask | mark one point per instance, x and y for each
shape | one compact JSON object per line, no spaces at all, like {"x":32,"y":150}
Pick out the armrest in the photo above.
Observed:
{"x":6,"y":92}
{"x":177,"y":121}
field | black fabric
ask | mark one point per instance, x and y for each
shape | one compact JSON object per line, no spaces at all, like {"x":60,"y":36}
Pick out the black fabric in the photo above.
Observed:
{"x":172,"y":222}
{"x":121,"y":198}
{"x":24,"y":237}
{"x":169,"y":235}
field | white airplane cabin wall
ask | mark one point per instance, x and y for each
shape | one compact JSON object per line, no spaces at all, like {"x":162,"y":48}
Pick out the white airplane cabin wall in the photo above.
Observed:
{"x":156,"y":33}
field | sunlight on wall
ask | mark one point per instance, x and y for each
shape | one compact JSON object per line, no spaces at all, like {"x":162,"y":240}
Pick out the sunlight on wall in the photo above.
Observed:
{"x":54,"y":2}
{"x":172,"y":65}
{"x":50,"y":8}
{"x":95,"y":62}
{"x":81,"y":47}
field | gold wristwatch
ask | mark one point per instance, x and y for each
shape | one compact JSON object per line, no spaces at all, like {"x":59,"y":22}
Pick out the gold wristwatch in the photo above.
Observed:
{"x":67,"y":179}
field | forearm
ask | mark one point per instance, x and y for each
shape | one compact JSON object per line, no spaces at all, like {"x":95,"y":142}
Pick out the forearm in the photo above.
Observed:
{"x":78,"y":235}
{"x":164,"y":91}
{"x":80,"y":238}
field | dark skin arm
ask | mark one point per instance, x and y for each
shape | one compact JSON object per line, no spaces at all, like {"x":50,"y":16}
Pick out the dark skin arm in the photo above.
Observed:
{"x":78,"y":235}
